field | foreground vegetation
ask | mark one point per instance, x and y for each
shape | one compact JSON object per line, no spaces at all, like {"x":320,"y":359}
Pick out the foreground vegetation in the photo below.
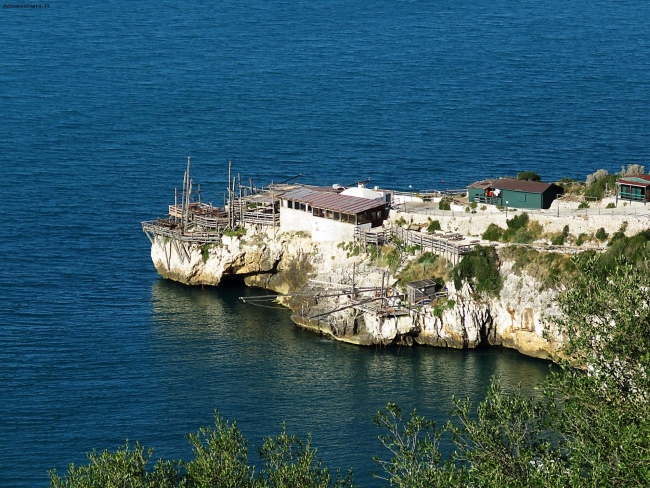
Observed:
{"x":589,"y":426}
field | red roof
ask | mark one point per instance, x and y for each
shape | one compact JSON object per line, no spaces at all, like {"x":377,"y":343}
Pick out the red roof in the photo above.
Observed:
{"x":522,"y":185}
{"x":333,"y":201}
{"x":635,"y":180}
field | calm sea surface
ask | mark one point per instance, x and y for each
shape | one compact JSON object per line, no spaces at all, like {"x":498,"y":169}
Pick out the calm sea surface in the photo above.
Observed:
{"x":100,"y":104}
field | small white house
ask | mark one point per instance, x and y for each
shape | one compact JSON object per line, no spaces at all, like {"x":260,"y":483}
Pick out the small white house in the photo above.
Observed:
{"x":329,"y":215}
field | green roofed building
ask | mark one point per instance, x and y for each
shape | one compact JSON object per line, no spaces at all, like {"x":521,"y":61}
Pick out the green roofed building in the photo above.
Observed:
{"x":514,"y":193}
{"x":633,"y":188}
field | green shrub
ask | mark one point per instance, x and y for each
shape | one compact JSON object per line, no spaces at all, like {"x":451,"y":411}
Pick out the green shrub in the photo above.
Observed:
{"x":480,"y":269}
{"x":373,"y":251}
{"x":393,"y":258}
{"x":558,"y":240}
{"x":582,"y":238}
{"x":611,"y":205}
{"x":444,"y":205}
{"x":528,"y":176}
{"x":493,"y":233}
{"x":549,"y":268}
{"x":518,"y":222}
{"x":434,"y":226}
{"x":583,"y":205}
{"x":517,"y":230}
{"x":236,"y":232}
{"x":205,"y":252}
{"x":601,"y":235}
{"x":597,"y":188}
{"x":634,"y":250}
{"x":617,"y":236}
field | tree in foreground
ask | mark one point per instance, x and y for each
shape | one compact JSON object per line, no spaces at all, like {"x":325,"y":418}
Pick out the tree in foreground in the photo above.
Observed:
{"x":220,"y":461}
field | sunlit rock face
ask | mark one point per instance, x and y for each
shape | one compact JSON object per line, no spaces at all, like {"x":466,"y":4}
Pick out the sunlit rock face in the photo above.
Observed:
{"x":520,"y":317}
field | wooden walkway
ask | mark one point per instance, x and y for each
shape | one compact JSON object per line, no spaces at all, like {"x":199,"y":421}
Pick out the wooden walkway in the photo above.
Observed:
{"x":451,"y":246}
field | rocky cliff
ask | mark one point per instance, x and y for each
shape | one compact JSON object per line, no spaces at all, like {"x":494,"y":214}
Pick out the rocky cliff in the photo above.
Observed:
{"x":291,"y":262}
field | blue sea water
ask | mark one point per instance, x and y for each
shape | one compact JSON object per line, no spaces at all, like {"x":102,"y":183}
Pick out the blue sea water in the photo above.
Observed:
{"x":100,"y":104}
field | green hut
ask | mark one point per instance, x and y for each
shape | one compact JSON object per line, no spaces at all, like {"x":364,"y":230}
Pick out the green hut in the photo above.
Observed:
{"x":514,"y":193}
{"x":633,"y":188}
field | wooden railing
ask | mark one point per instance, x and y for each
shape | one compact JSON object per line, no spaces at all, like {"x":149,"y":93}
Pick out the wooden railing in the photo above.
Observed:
{"x":263,"y":218}
{"x":157,"y":228}
{"x":624,"y":195}
{"x":488,"y":200}
{"x":371,"y":236}
{"x":445,"y":245}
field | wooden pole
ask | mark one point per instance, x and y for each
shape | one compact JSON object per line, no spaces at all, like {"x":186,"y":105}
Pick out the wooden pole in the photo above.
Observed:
{"x":232,"y":201}
{"x":187,"y":195}
{"x":229,"y":204}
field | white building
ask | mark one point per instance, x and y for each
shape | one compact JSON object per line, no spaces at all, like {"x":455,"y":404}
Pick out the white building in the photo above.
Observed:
{"x":329,"y":215}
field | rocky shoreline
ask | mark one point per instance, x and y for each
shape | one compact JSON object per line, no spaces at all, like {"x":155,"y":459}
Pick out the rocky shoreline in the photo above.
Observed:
{"x":303,"y":271}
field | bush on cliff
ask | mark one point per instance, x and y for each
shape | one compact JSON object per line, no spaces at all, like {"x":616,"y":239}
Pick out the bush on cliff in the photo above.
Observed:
{"x":480,"y":269}
{"x":433,"y":226}
{"x":493,"y":233}
{"x":550,"y":269}
{"x":529,"y":176}
{"x":428,"y":266}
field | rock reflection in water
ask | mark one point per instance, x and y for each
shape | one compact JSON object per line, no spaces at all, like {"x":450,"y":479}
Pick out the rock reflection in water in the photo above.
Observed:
{"x":255,"y":367}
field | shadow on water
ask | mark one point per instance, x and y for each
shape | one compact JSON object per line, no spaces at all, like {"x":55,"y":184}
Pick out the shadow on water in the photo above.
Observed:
{"x":255,"y":367}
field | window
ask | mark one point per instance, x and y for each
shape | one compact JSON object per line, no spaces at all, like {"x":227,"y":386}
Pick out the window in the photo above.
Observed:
{"x":314,"y":211}
{"x":328,"y":214}
{"x":344,"y":217}
{"x":289,"y":204}
{"x":303,"y":207}
{"x":522,"y":197}
{"x":337,"y":216}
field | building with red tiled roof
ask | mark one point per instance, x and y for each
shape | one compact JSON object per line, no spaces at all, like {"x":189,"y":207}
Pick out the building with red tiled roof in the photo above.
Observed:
{"x":634,"y":188}
{"x":330,"y":215}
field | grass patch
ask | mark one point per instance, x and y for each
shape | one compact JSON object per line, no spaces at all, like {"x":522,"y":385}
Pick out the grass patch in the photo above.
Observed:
{"x":236,"y":232}
{"x":428,"y":266}
{"x":550,"y":269}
